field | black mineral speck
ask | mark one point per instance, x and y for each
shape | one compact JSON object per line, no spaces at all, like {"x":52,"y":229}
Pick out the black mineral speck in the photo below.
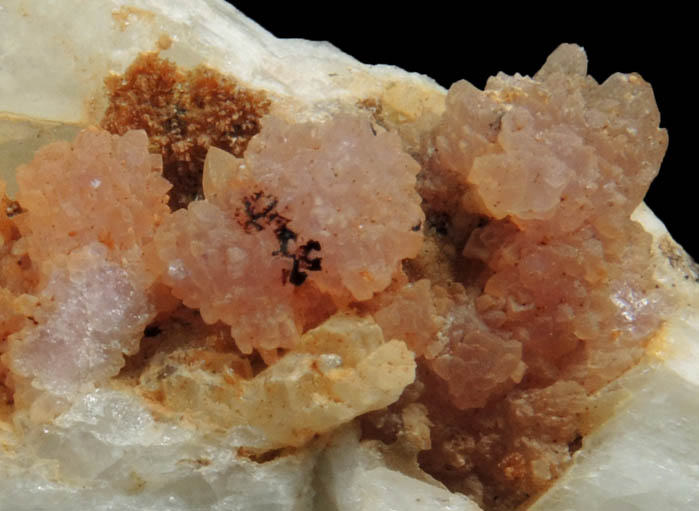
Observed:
{"x":260,"y":211}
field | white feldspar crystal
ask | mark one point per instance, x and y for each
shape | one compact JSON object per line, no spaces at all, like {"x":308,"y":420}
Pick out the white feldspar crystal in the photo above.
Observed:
{"x":353,"y":477}
{"x":107,"y":451}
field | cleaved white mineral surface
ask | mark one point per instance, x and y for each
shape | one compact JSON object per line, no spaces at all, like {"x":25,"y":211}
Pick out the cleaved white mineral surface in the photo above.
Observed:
{"x":100,"y":446}
{"x":353,"y":476}
{"x":108,"y":452}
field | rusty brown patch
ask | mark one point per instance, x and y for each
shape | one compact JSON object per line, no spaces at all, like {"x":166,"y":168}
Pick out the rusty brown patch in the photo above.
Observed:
{"x":184,"y":113}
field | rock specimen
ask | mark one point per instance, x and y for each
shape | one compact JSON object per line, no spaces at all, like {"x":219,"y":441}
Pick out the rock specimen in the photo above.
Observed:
{"x":260,"y":279}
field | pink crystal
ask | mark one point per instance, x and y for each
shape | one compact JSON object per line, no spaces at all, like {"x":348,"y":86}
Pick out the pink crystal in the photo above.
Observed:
{"x":337,"y":193}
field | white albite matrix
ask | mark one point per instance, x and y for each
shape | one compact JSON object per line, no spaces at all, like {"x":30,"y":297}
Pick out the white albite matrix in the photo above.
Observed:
{"x":104,"y":449}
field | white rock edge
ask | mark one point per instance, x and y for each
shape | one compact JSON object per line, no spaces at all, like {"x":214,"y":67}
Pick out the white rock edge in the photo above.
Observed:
{"x":78,"y":43}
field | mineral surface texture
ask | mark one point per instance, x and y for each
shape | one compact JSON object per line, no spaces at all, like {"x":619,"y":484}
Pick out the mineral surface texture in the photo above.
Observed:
{"x":295,"y":282}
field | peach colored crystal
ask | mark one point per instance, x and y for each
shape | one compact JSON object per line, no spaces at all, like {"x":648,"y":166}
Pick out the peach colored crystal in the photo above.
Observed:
{"x":102,"y":188}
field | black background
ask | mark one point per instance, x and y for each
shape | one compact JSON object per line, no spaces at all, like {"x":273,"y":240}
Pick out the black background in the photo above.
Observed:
{"x":442,"y":41}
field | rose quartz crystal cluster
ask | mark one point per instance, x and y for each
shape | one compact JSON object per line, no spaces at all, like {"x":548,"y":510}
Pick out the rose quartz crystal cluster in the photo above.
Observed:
{"x":552,"y":294}
{"x":558,"y":163}
{"x":310,"y":204}
{"x":332,"y":207}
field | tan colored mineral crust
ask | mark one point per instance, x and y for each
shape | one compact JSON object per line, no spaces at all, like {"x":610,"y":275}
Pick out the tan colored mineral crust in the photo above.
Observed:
{"x":336,"y":372}
{"x":471,"y":296}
